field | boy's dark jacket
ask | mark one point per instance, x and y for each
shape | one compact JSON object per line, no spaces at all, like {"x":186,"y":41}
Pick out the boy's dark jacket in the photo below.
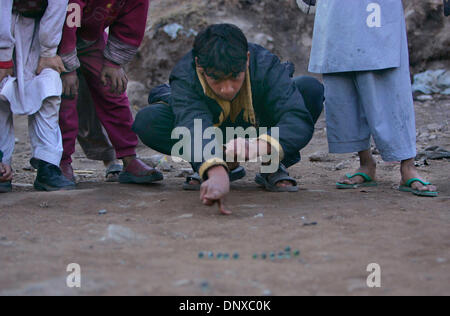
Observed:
{"x":276,"y":101}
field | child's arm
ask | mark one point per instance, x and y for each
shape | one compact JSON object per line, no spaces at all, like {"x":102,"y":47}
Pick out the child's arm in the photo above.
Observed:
{"x":51,"y":27}
{"x":125,"y":37}
{"x":68,"y":46}
{"x":6,"y":39}
{"x":50,"y":31}
{"x":127,"y":32}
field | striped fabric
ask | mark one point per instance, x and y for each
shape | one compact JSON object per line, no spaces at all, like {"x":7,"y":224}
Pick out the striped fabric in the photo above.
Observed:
{"x":30,"y":8}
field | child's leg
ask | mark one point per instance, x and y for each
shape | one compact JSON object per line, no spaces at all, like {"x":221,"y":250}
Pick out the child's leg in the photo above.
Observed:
{"x":45,"y":134}
{"x":347,"y":127}
{"x":92,"y":139}
{"x":387,"y":100}
{"x":7,"y":139}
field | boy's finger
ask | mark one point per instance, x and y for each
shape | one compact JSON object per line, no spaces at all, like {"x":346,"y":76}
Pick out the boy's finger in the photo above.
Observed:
{"x":222,"y":209}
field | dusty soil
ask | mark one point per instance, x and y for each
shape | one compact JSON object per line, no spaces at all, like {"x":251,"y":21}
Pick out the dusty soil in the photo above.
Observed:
{"x":162,"y":230}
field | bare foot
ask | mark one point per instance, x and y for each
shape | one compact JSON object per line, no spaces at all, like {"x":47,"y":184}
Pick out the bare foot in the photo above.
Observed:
{"x":368,"y":166}
{"x":409,"y":171}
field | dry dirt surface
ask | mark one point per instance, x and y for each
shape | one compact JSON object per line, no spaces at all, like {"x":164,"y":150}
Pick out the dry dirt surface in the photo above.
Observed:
{"x":148,"y":241}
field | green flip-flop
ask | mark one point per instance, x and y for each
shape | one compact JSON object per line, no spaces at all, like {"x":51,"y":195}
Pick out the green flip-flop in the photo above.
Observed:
{"x":407,"y":187}
{"x":368,"y":182}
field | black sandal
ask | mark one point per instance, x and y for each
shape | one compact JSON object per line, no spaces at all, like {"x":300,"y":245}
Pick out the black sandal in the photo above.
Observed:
{"x":113,"y":172}
{"x":269,"y":180}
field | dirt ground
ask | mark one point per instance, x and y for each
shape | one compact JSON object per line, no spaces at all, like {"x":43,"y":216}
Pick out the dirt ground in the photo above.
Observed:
{"x":149,"y":240}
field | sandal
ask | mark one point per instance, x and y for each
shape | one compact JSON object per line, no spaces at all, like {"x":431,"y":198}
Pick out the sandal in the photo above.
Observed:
{"x":138,"y":172}
{"x":113,"y":172}
{"x":235,"y":174}
{"x":269,"y":180}
{"x":368,"y":182}
{"x":407,"y":187}
{"x":5,"y":187}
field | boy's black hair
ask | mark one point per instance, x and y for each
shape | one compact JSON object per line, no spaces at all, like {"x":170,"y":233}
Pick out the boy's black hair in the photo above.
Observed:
{"x":221,"y":49}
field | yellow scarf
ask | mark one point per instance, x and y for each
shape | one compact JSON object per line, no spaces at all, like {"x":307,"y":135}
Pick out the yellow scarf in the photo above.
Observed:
{"x":243,"y":101}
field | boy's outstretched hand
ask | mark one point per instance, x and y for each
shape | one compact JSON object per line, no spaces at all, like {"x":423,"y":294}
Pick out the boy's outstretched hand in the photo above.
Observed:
{"x":54,"y":63}
{"x":116,"y":78}
{"x":5,"y":173}
{"x":216,"y":188}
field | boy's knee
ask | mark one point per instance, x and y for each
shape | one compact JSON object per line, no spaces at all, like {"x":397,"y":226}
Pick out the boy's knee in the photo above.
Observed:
{"x":143,"y":120}
{"x":310,"y":86}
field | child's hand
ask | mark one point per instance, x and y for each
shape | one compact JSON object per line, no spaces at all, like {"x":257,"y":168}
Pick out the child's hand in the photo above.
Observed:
{"x":5,"y":173}
{"x":216,"y":188}
{"x":116,"y":78}
{"x":54,"y":63}
{"x":5,"y":73}
{"x":246,"y":149}
{"x":70,"y":84}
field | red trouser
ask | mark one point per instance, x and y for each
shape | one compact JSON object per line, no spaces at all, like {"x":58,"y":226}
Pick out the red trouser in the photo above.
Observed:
{"x":112,"y":110}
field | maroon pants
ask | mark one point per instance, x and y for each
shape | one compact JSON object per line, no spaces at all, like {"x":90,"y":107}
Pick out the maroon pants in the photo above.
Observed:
{"x":112,"y":110}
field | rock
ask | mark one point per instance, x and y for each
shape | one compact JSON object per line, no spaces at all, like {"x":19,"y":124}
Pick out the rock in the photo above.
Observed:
{"x":185,"y":216}
{"x":441,"y":260}
{"x":320,"y":156}
{"x":204,"y":285}
{"x":434,"y":127}
{"x":424,"y":98}
{"x":182,"y":283}
{"x":267,"y":293}
{"x":343,"y":165}
{"x":121,"y":234}
{"x":433,"y":153}
{"x":172,"y":30}
{"x":432,"y":81}
{"x":260,"y":215}
{"x":159,"y":161}
{"x":102,"y":212}
{"x":184,"y":172}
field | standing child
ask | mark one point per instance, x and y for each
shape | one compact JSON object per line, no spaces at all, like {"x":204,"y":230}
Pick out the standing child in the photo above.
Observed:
{"x":30,"y":85}
{"x":99,"y":57}
{"x":362,"y":51}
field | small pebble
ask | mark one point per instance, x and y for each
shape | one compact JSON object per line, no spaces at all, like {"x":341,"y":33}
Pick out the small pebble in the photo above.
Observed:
{"x":102,"y":212}
{"x":267,"y":293}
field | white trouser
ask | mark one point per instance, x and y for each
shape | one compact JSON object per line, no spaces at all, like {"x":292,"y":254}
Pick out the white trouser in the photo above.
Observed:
{"x":43,"y":127}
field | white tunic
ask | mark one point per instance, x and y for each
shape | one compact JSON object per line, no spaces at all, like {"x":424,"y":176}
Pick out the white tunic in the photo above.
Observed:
{"x":357,"y":35}
{"x":25,"y":40}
